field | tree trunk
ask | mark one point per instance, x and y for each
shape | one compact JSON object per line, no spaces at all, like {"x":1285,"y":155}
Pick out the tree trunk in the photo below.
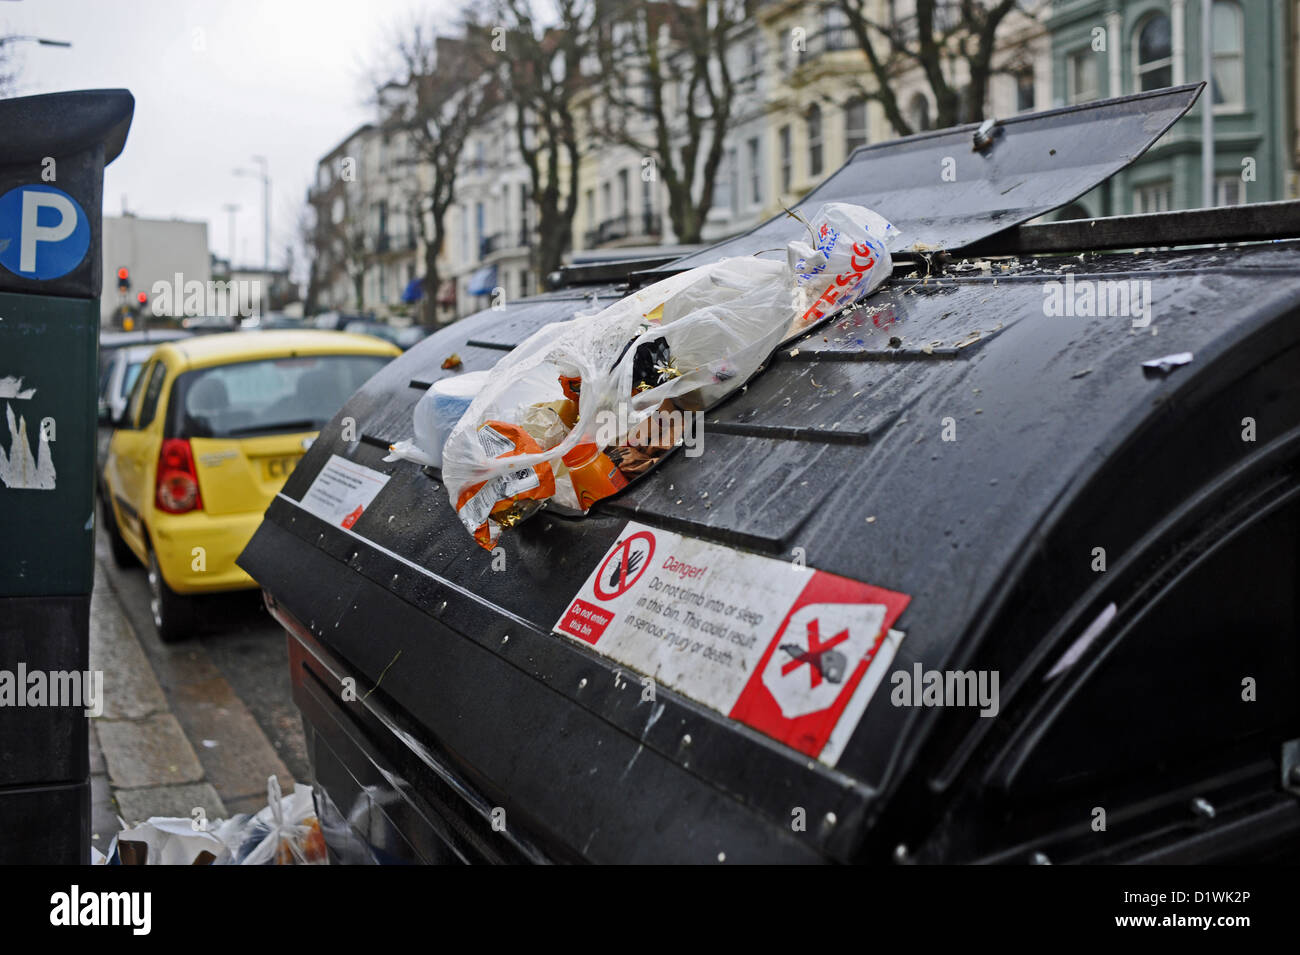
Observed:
{"x":431,"y":280}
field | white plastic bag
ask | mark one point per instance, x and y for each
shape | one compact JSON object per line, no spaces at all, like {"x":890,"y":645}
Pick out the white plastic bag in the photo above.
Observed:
{"x":285,"y":832}
{"x":720,"y":323}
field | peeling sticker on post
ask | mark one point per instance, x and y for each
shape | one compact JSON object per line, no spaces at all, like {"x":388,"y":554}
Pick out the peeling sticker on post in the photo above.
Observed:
{"x":27,"y":461}
{"x":796,"y":656}
{"x":342,"y":491}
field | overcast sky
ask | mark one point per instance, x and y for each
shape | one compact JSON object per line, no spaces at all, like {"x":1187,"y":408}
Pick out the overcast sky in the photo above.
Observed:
{"x":215,"y":82}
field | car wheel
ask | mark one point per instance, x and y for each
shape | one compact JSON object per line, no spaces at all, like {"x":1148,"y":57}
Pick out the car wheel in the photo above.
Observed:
{"x":173,"y":614}
{"x":123,"y":556}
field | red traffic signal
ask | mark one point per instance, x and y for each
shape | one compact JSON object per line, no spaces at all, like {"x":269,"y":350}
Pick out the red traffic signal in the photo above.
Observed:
{"x":142,"y":298}
{"x":123,"y":279}
{"x":123,"y":274}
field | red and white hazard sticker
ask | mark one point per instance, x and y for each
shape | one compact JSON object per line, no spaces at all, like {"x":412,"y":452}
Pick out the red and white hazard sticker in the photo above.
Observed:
{"x":793,"y":652}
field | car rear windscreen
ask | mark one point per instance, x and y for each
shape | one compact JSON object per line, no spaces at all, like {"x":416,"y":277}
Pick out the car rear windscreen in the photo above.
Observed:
{"x":272,"y":395}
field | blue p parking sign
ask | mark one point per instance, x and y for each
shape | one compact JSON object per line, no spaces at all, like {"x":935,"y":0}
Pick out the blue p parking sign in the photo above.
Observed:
{"x":44,"y":233}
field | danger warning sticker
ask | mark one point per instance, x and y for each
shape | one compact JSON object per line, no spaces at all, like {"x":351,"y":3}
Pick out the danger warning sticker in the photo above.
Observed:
{"x":793,"y":652}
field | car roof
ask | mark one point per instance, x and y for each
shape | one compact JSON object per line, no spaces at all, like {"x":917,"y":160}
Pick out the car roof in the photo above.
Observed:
{"x":203,"y":351}
{"x":138,"y":353}
{"x":141,"y":337}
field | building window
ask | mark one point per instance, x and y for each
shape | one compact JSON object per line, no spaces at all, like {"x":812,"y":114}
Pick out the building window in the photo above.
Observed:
{"x":1229,"y":78}
{"x":1229,"y":191}
{"x":755,"y":172}
{"x":733,"y":182}
{"x":835,"y":23}
{"x":624,"y":193}
{"x":787,"y":159}
{"x":1155,"y":197}
{"x":1155,"y":62}
{"x":918,"y":113}
{"x":855,"y":124}
{"x":722,"y":192}
{"x":591,"y":208}
{"x":1082,"y":78}
{"x":1024,"y":91}
{"x":814,"y":140}
{"x":479,"y":226}
{"x":647,"y":203}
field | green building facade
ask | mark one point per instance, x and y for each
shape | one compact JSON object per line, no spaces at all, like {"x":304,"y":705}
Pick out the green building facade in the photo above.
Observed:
{"x":1105,"y":48}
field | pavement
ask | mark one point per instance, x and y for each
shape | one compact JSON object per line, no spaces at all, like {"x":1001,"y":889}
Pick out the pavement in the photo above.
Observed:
{"x":195,"y":725}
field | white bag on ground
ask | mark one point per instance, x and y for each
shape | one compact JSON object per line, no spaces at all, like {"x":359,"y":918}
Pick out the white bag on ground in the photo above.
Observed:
{"x":720,"y":322}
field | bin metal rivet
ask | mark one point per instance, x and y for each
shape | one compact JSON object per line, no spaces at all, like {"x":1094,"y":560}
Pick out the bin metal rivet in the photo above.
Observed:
{"x":831,"y":819}
{"x":443,"y":606}
{"x":686,"y":740}
{"x":1039,"y":858}
{"x":582,"y":683}
{"x":1202,"y":808}
{"x":900,"y":853}
{"x":504,"y":640}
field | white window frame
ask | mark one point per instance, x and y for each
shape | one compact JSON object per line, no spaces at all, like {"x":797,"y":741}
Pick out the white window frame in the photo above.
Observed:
{"x":1146,"y":197}
{"x":1072,"y":61}
{"x":861,"y":103}
{"x":1139,"y":68}
{"x":1221,"y":186}
{"x":1239,"y":55}
{"x":818,"y":142}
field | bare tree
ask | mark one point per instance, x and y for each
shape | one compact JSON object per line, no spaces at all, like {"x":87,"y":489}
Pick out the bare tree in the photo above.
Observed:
{"x":540,"y":65}
{"x":668,"y":92}
{"x":338,"y":239}
{"x":940,"y":34}
{"x":446,"y":91}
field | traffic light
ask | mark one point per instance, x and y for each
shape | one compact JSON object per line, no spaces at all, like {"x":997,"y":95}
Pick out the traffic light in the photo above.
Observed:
{"x":123,"y":279}
{"x":143,"y":299}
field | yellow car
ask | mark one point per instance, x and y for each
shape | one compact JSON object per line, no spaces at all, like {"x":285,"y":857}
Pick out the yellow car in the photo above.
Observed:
{"x":213,"y":427}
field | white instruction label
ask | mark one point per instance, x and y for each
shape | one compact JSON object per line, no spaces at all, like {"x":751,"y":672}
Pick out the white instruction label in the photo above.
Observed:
{"x":793,"y":652}
{"x":342,"y":491}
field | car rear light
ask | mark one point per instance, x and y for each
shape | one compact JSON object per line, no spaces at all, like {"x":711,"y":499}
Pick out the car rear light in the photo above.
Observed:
{"x":178,"y":481}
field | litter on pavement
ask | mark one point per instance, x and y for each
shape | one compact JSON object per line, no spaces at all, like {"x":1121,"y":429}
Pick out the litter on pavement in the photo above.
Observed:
{"x":285,"y":832}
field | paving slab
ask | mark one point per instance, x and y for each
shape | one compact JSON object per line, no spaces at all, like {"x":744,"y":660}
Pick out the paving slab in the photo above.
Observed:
{"x":137,"y":805}
{"x":230,"y":744}
{"x":131,"y":690}
{"x":147,"y":752}
{"x":97,"y":765}
{"x":103,"y":813}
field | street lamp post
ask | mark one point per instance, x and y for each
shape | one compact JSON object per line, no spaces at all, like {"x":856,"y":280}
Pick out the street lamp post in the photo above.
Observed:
{"x":265,"y":176}
{"x":231,"y":208}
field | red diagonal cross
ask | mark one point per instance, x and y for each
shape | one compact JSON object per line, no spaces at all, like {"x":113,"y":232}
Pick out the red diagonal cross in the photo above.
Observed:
{"x":813,"y":655}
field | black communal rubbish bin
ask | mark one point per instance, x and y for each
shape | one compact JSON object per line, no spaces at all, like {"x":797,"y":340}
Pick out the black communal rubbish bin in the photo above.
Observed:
{"x":52,"y":157}
{"x":1056,"y":557}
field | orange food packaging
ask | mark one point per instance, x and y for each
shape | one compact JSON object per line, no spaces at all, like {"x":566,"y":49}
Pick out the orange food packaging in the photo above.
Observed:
{"x":506,"y":499}
{"x":593,"y":474}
